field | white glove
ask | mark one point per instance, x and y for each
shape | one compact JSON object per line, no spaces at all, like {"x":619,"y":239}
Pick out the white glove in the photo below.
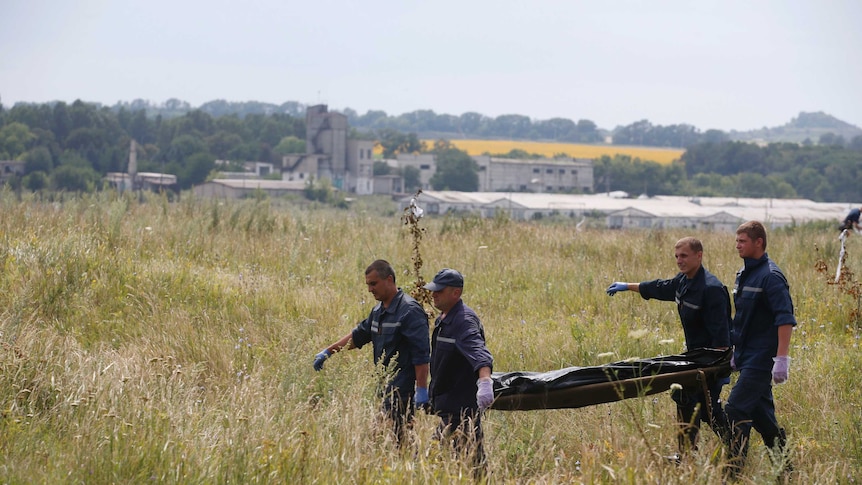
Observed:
{"x":780,"y":369}
{"x":485,"y":394}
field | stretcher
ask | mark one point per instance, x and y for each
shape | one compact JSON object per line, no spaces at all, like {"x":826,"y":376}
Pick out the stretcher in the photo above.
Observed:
{"x":575,"y":387}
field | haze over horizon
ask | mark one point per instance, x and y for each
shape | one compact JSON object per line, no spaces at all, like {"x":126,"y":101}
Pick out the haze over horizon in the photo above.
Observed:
{"x":729,"y":65}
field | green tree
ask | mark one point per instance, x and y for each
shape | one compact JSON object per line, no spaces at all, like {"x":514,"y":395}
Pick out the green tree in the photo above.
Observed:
{"x":73,"y":178}
{"x":15,"y":139}
{"x":381,"y":168}
{"x":36,"y":181}
{"x":290,"y":145}
{"x":394,"y":142}
{"x":195,"y":171}
{"x":38,"y":159}
{"x":222,"y":143}
{"x":412,"y":178}
{"x":456,"y":170}
{"x":185,"y":146}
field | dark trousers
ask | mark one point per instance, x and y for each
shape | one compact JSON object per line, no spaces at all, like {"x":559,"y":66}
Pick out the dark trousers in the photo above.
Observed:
{"x":694,"y":407}
{"x":397,"y":409}
{"x":463,"y":432}
{"x":750,"y":405}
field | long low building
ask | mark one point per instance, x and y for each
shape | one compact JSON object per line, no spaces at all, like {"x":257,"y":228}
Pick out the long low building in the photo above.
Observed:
{"x":239,"y":188}
{"x":701,"y":213}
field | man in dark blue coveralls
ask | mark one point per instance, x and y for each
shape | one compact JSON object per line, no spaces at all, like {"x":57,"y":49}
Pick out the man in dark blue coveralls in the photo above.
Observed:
{"x":851,"y":221}
{"x":461,"y":386}
{"x":703,"y":304}
{"x":397,"y":326}
{"x":761,"y":332}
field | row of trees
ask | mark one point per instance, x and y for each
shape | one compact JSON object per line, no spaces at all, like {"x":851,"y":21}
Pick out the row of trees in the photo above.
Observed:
{"x":72,"y":147}
{"x":644,"y":133}
{"x":779,"y":170}
{"x":807,"y":128}
{"x":476,"y":125}
{"x":425,"y":122}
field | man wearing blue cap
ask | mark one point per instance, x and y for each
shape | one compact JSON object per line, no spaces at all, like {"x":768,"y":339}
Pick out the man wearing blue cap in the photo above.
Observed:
{"x":461,"y":386}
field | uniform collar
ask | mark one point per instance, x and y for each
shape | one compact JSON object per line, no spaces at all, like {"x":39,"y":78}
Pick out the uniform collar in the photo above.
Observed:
{"x":750,"y":263}
{"x":456,"y":308}
{"x":393,"y":305}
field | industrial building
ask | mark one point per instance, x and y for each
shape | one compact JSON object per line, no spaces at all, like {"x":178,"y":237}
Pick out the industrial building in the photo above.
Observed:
{"x":621,"y":212}
{"x":329,"y":154}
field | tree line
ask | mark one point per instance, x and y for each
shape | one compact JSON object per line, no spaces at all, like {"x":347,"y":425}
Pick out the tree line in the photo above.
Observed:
{"x":824,"y":173}
{"x":807,"y":128}
{"x":72,"y":146}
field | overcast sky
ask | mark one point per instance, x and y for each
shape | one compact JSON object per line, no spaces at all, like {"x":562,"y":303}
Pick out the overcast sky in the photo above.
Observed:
{"x":728,"y":64}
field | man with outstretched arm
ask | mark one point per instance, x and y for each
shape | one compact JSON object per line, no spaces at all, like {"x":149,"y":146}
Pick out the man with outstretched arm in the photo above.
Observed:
{"x":397,"y":326}
{"x":703,"y":304}
{"x":760,"y":333}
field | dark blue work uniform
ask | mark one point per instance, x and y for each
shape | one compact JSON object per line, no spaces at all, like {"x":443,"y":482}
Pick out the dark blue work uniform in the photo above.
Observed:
{"x":401,"y":330}
{"x":458,"y":351}
{"x":761,"y":295}
{"x":703,"y":304}
{"x":852,"y":217}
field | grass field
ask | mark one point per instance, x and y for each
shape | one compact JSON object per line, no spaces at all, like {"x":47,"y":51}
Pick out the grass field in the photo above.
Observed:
{"x":574,"y":150}
{"x":172,"y":343}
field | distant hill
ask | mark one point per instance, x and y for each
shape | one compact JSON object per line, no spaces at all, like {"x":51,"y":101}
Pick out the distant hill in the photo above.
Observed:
{"x":806,"y":126}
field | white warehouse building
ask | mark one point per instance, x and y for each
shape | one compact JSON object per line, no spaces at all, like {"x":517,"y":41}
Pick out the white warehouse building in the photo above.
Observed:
{"x":620,"y":212}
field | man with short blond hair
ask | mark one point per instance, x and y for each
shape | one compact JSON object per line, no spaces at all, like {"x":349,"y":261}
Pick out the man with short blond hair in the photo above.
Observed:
{"x":703,"y":304}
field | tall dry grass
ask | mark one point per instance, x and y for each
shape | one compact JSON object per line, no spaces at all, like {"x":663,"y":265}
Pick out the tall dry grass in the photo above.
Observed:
{"x":172,"y":342}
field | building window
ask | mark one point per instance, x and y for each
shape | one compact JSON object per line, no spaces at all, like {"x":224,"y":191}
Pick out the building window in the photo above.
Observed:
{"x":549,"y":170}
{"x":549,"y":189}
{"x":535,"y":170}
{"x":523,"y":188}
{"x":424,"y":166}
{"x":574,"y":172}
{"x":562,"y":170}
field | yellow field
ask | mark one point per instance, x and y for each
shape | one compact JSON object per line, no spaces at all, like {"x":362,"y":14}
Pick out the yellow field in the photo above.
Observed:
{"x":575,"y":150}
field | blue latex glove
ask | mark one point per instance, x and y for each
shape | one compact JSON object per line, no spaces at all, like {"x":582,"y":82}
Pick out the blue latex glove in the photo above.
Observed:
{"x":485,"y":394}
{"x":780,"y":369}
{"x":320,"y":358}
{"x":617,"y":286}
{"x":421,"y":397}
